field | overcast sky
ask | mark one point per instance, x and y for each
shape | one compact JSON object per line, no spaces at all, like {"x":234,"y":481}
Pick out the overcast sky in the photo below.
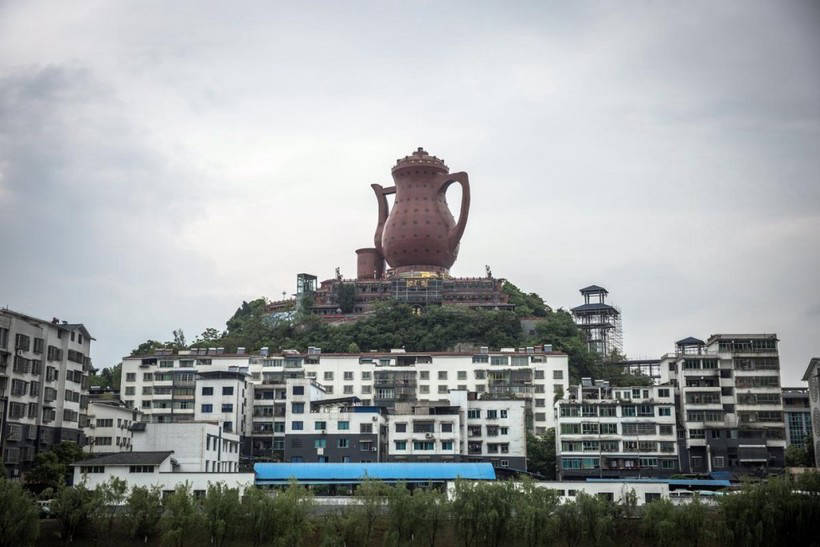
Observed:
{"x":162,"y":161}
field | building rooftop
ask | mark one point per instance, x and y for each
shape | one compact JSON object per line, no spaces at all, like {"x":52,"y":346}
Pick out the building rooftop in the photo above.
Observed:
{"x":354,"y":472}
{"x":54,"y":322}
{"x":127,"y":458}
{"x":594,"y":289}
{"x":596,"y":306}
{"x":374,"y":354}
{"x":690,"y":341}
{"x":814,"y":364}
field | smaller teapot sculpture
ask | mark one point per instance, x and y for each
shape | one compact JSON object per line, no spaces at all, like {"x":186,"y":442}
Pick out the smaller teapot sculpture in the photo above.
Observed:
{"x":420,"y":233}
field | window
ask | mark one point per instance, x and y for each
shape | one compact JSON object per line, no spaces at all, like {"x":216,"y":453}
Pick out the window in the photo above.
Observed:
{"x":540,"y":403}
{"x":319,"y":443}
{"x":424,"y":375}
{"x":227,"y":407}
{"x":480,"y":358}
{"x":130,"y":377}
{"x":141,"y":469}
{"x":442,"y":375}
{"x":343,"y":443}
{"x":666,"y":430}
{"x":540,"y":417}
{"x":319,"y":426}
{"x":446,"y":445}
{"x":499,"y":360}
{"x":401,"y":428}
{"x":129,"y":390}
{"x":462,"y":374}
{"x":503,"y":414}
{"x":366,"y":390}
{"x":347,"y":389}
{"x":296,"y":425}
{"x":328,"y":376}
{"x":365,"y":428}
{"x":607,"y":411}
{"x":227,"y":390}
{"x":628,"y":410}
{"x":424,"y":445}
{"x":474,"y":414}
{"x":297,"y":408}
{"x":207,"y":391}
{"x":664,"y":392}
{"x":348,"y":375}
{"x":166,"y":364}
{"x":400,"y":445}
{"x":207,"y":408}
{"x":664,"y":411}
{"x":343,"y":425}
{"x":365,"y":375}
{"x":446,"y":427}
{"x":443,"y":389}
{"x":557,"y":374}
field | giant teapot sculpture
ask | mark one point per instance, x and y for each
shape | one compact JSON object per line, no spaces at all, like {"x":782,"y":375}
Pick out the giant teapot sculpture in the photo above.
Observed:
{"x":419,"y":233}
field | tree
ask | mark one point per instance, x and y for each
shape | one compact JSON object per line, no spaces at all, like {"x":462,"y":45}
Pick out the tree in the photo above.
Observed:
{"x":541,"y":457}
{"x":798,"y":457}
{"x":181,"y":517}
{"x":179,"y":339}
{"x":534,"y":521}
{"x":73,"y":508}
{"x":143,"y":511}
{"x":483,"y":512}
{"x":19,"y":515}
{"x":210,"y":337}
{"x":149,"y":347}
{"x":110,"y":496}
{"x":51,"y":468}
{"x":370,"y":496}
{"x":346,"y":296}
{"x":221,"y":512}
{"x":107,"y":377}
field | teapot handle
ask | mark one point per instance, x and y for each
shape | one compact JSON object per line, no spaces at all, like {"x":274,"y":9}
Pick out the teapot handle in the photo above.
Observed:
{"x":384,"y":210}
{"x":458,"y":230}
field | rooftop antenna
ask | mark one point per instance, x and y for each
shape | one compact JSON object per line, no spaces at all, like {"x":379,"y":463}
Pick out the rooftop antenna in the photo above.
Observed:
{"x":489,"y":271}
{"x":338,"y":274}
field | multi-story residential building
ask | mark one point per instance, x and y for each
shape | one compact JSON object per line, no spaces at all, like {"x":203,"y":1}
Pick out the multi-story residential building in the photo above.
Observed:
{"x":44,"y":369}
{"x":600,"y":322}
{"x":797,"y":415}
{"x":608,"y":431}
{"x":322,"y":428}
{"x":380,"y":379}
{"x":198,"y":447}
{"x":812,"y":376}
{"x":108,"y":427}
{"x":731,"y":409}
{"x":462,"y":428}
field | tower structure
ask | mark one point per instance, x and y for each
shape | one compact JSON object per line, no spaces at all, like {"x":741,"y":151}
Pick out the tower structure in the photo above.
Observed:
{"x":600,"y":322}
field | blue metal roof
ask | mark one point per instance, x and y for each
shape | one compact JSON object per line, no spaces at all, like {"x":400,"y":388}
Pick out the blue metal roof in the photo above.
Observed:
{"x":354,"y":472}
{"x":670,"y":482}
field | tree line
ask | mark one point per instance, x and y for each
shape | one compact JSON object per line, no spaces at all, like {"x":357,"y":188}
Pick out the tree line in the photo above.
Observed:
{"x":778,"y":511}
{"x":395,"y":324}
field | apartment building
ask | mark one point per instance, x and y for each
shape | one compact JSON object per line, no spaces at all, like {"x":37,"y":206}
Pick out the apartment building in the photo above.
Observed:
{"x":797,"y":416}
{"x":812,"y":376}
{"x":108,"y":427}
{"x":462,"y":428}
{"x":44,"y":369}
{"x":731,"y":408}
{"x":383,"y":379}
{"x":609,"y":432}
{"x":322,"y":428}
{"x":198,"y":447}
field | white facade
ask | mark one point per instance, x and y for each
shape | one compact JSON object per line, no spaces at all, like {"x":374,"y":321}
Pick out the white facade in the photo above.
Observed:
{"x":108,"y":428}
{"x":44,"y":369}
{"x":463,"y":428}
{"x":615,"y":431}
{"x":93,"y":473}
{"x":197,"y":446}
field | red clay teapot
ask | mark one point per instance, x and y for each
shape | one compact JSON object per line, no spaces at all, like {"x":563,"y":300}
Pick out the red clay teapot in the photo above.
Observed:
{"x":420,"y":233}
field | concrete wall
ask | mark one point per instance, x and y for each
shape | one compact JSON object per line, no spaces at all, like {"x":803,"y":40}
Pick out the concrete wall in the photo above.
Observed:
{"x":165,"y":480}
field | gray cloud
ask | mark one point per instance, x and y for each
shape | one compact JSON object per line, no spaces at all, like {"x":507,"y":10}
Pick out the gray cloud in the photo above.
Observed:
{"x":158,"y":164}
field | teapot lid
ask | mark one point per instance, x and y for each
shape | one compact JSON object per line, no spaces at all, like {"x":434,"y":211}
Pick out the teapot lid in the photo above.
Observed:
{"x":420,"y":158}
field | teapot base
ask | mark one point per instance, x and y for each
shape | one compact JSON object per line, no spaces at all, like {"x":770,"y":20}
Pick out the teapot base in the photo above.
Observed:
{"x":419,"y":270}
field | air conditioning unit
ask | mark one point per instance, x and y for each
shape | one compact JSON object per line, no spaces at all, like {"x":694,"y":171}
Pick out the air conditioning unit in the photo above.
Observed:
{"x":374,"y":449}
{"x":428,"y":435}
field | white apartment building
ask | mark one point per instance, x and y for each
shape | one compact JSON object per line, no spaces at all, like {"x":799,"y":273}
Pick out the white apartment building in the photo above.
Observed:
{"x":149,"y":469}
{"x":108,"y":427}
{"x":463,"y":428}
{"x":608,"y":431}
{"x":376,"y":379}
{"x":730,"y":402}
{"x":322,"y":428}
{"x":812,"y":376}
{"x":198,"y":447}
{"x":44,"y":369}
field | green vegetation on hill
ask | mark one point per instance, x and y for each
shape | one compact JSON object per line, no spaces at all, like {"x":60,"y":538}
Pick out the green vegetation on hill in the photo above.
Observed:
{"x":397,"y":325}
